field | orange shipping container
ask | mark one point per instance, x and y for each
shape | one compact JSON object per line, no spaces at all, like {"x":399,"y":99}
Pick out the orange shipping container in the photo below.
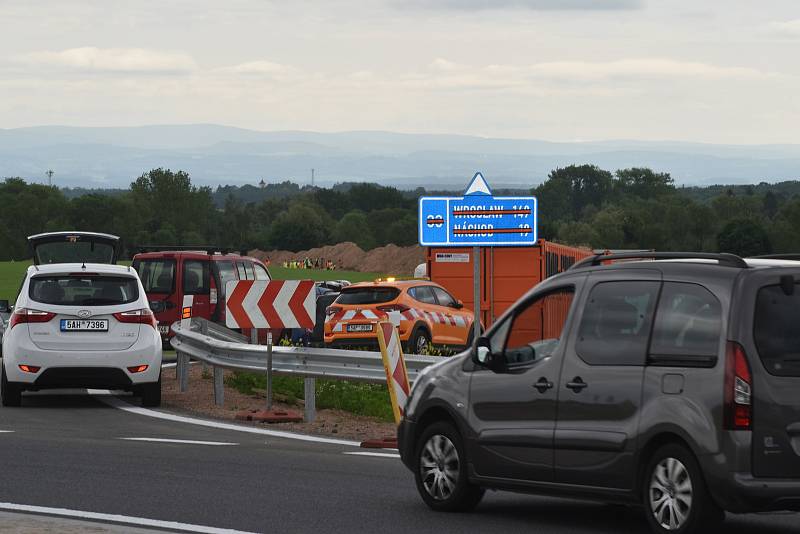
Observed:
{"x":506,"y":273}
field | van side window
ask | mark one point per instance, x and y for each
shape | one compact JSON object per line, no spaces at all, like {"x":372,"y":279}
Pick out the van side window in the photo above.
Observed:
{"x":248,"y":268}
{"x":535,"y":331}
{"x":261,"y":272}
{"x":616,"y":323}
{"x":195,"y":277}
{"x":242,"y":272}
{"x":226,"y":272}
{"x":688,"y":325}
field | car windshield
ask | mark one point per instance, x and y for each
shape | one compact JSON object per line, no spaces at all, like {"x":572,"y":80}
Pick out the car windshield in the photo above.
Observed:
{"x":157,"y":275}
{"x":83,"y":290}
{"x":367,"y":295}
{"x":776,"y":331}
{"x":74,"y":252}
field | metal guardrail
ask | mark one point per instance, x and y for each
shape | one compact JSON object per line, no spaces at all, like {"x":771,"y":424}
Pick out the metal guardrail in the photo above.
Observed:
{"x":221,"y":348}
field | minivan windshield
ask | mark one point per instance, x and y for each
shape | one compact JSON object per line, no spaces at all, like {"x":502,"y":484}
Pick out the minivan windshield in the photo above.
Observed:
{"x":158,"y":275}
{"x":367,"y":295}
{"x":83,"y":290}
{"x":777,"y":330}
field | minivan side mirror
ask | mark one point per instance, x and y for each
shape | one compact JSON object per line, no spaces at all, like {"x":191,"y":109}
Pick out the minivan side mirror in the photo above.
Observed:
{"x":457,"y":305}
{"x":485,"y":357}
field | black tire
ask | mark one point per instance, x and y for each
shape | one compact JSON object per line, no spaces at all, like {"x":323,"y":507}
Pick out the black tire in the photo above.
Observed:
{"x":419,"y":341}
{"x":675,"y":496}
{"x":444,"y":484}
{"x":151,"y":394}
{"x":10,"y":393}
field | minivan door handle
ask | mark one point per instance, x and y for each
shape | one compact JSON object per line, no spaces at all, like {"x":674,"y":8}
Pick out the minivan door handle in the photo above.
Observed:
{"x":543,"y":385}
{"x":577,"y":384}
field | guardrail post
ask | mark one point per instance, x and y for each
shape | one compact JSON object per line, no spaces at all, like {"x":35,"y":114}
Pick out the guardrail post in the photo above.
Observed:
{"x":204,"y":331}
{"x":219,"y":386}
{"x":311,"y":400}
{"x":183,"y":371}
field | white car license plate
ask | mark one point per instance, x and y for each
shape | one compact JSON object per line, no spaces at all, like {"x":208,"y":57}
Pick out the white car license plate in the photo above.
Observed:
{"x":84,"y":325}
{"x":359,"y":328}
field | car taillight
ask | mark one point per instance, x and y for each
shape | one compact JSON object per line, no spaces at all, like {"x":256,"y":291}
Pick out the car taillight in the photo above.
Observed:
{"x":143,"y":316}
{"x":738,"y":389}
{"x":332,"y":310}
{"x":25,"y":315}
{"x":394,"y":308}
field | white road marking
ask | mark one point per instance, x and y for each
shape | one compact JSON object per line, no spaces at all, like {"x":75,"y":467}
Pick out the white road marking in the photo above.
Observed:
{"x":169,"y":365}
{"x":377,"y":454}
{"x":115,"y":518}
{"x":6,"y":431}
{"x":186,"y":441}
{"x":122,"y":405}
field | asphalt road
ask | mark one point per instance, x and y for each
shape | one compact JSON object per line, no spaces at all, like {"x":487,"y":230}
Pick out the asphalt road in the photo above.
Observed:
{"x":67,"y":451}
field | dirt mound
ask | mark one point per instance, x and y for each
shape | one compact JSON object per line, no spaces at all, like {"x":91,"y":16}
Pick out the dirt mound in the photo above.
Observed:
{"x":348,"y":256}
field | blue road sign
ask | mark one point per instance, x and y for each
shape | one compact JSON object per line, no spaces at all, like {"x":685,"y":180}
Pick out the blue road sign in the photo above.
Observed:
{"x":477,"y":219}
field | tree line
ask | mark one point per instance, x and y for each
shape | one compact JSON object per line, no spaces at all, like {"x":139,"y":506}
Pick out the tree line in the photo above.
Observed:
{"x":634,"y":208}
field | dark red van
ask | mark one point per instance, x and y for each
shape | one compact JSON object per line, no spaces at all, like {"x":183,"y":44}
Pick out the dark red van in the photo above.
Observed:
{"x":168,"y":275}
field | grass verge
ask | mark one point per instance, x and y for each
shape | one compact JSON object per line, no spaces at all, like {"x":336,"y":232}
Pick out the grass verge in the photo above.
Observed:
{"x":355,"y":397}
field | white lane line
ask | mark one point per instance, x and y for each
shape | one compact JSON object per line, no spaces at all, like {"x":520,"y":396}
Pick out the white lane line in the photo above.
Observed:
{"x":7,"y":431}
{"x":376,"y":454}
{"x":122,"y":405}
{"x":122,"y":519}
{"x":185,"y":441}
{"x":169,"y":365}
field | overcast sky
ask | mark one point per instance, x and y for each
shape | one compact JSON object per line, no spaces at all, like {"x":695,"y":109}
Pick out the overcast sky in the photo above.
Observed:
{"x":721,"y":71}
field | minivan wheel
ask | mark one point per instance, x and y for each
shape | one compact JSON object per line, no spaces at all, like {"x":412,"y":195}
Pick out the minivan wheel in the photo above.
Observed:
{"x":441,"y":471}
{"x":151,"y":394}
{"x":11,"y":394}
{"x":676,"y":499}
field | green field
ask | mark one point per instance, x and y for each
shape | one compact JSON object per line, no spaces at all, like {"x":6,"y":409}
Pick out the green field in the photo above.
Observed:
{"x":11,"y":273}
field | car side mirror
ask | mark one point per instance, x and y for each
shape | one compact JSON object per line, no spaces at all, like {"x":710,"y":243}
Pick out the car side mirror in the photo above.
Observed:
{"x":4,"y":307}
{"x":485,"y":357}
{"x":457,"y":305}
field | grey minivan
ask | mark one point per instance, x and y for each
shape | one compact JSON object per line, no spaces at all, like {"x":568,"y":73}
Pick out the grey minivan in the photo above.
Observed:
{"x":674,"y":384}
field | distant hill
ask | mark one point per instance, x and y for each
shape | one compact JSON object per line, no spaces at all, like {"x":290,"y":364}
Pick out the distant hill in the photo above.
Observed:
{"x":110,"y":158}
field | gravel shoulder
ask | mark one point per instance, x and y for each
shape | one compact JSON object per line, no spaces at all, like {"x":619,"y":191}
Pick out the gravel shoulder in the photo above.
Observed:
{"x":199,"y":401}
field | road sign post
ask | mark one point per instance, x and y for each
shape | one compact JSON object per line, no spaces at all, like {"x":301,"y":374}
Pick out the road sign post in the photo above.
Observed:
{"x":476,"y":291}
{"x":278,"y":304}
{"x":478,"y":219}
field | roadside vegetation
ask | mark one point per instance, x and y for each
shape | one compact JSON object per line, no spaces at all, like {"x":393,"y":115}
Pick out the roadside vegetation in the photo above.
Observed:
{"x":634,"y":208}
{"x":355,"y":397}
{"x":11,"y":273}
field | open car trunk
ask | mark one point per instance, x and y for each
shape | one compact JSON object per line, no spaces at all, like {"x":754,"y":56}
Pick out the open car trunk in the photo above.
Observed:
{"x":73,"y":247}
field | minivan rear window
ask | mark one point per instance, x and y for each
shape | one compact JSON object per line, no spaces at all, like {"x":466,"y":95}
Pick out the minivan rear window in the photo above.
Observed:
{"x":158,"y":275}
{"x":777,"y":330}
{"x":368,"y":295}
{"x":74,"y":252}
{"x":83,"y":290}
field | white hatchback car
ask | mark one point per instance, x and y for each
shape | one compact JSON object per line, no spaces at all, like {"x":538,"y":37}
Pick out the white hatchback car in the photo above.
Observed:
{"x":80,"y":325}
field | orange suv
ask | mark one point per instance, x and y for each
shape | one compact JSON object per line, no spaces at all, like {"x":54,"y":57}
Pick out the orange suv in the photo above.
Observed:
{"x":425,"y":313}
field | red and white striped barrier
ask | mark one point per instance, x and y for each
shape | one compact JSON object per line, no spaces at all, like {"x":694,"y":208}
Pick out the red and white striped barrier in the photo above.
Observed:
{"x":270,"y":304}
{"x":395,"y":366}
{"x":337,"y":320}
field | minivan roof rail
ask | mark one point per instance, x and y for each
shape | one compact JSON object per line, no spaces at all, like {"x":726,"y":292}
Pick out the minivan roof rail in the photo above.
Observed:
{"x":208,"y":249}
{"x":728,"y":260}
{"x":795,"y":256}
